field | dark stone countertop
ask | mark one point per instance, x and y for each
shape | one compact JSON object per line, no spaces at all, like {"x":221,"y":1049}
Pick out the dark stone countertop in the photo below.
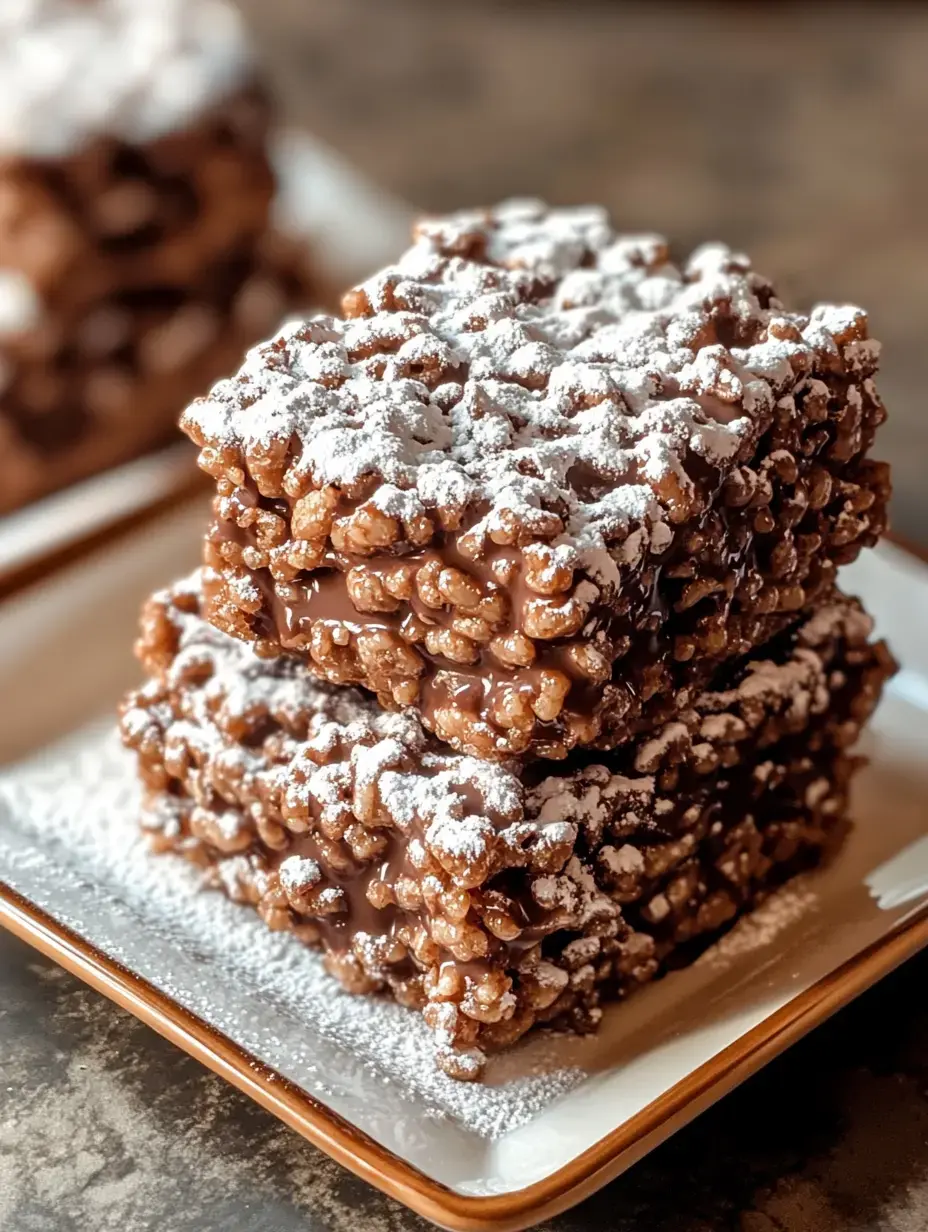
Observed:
{"x":104,"y":1127}
{"x":800,"y":132}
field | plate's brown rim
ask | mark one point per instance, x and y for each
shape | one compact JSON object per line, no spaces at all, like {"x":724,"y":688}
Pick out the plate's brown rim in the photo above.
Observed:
{"x":377,"y":1165}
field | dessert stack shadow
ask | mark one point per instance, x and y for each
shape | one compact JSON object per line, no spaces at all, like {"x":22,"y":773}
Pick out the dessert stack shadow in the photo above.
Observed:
{"x":517,"y":666}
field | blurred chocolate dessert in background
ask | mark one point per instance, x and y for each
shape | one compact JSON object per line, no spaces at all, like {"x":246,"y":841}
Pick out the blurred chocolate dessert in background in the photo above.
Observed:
{"x":138,"y":258}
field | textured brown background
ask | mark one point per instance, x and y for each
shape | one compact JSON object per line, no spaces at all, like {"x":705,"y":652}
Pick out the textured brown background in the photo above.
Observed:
{"x":798,"y":132}
{"x":104,"y":1127}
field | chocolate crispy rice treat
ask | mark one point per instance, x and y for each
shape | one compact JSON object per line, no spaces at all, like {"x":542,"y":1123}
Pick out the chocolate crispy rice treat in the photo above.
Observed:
{"x":136,"y":263}
{"x":540,"y":481}
{"x":487,"y":901}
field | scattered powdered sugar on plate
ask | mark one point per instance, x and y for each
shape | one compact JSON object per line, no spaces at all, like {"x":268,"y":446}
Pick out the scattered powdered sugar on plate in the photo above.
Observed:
{"x":69,"y":842}
{"x":77,"y":807}
{"x":762,"y":926}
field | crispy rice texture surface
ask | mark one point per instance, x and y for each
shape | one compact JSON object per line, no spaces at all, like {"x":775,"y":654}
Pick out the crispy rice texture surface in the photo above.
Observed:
{"x":470,"y":890}
{"x":536,"y":473}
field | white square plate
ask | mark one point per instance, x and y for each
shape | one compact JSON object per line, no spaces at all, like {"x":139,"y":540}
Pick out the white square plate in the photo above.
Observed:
{"x":558,"y":1116}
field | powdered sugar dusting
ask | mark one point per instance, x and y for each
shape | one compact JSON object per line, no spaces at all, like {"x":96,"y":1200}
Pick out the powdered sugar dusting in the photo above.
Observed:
{"x":72,"y":828}
{"x":80,"y":806}
{"x":764,"y":925}
{"x":528,"y":363}
{"x":297,"y":873}
{"x":134,"y":69}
